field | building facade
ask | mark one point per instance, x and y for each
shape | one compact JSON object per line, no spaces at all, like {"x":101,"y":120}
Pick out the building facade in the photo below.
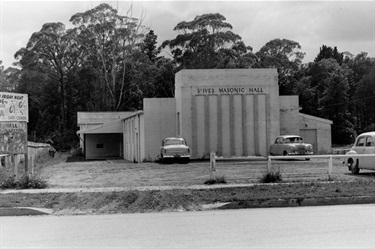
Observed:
{"x":233,"y":112}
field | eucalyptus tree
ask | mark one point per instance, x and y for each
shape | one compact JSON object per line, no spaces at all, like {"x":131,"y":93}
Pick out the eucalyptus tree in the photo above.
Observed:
{"x":364,"y":100}
{"x":208,"y":42}
{"x":149,"y":46}
{"x":284,"y":55}
{"x":324,"y":91}
{"x":334,"y":99}
{"x":9,"y":78}
{"x":108,"y":40}
{"x":165,"y":68}
{"x":51,"y":52}
{"x":327,"y":52}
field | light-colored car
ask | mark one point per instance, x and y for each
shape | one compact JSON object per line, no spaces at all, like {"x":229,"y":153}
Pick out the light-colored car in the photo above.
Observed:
{"x":174,"y":149}
{"x":290,"y":145}
{"x":364,"y":144}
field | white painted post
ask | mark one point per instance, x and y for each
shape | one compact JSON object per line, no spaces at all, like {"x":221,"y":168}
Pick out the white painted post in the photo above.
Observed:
{"x":330,"y":167}
{"x":16,"y":162}
{"x":31,"y":164}
{"x":212,"y":163}
{"x":269,"y":165}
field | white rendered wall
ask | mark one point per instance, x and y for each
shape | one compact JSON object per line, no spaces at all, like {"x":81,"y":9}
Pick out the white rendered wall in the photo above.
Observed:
{"x":289,"y":115}
{"x":159,"y":122}
{"x":323,"y":131}
{"x":133,"y":130}
{"x":234,"y":112}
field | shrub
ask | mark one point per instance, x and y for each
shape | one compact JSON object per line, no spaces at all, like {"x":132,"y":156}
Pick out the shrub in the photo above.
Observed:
{"x":215,"y":180}
{"x":274,"y":175}
{"x":24,"y":182}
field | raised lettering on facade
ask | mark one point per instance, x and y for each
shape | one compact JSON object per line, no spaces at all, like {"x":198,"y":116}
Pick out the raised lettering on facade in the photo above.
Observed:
{"x":228,"y":90}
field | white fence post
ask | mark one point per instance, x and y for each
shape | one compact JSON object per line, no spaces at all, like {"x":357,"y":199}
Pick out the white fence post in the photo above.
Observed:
{"x":212,"y":163}
{"x":330,"y":163}
{"x":269,"y":165}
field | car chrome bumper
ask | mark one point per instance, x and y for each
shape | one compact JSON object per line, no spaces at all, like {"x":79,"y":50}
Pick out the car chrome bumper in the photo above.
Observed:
{"x":176,"y":156}
{"x":301,"y":154}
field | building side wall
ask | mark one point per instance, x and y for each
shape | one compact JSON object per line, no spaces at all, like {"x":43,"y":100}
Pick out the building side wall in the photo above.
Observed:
{"x":323,"y":132}
{"x":234,"y":112}
{"x":133,"y":149}
{"x":103,"y":145}
{"x":133,"y":140}
{"x":159,"y":122}
{"x":289,"y":115}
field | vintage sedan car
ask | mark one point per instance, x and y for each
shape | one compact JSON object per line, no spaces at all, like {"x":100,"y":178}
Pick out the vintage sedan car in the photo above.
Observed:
{"x":174,"y":149}
{"x":364,"y":144}
{"x":290,"y":145}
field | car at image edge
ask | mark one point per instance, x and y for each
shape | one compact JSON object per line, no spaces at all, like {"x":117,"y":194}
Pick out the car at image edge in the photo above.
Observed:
{"x":364,"y":144}
{"x":290,"y":145}
{"x":174,"y":149}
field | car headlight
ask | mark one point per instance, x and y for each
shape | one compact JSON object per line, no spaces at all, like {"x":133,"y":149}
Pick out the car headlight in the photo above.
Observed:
{"x":292,"y":148}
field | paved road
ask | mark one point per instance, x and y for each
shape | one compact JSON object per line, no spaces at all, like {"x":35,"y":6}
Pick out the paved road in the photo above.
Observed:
{"x":347,"y":226}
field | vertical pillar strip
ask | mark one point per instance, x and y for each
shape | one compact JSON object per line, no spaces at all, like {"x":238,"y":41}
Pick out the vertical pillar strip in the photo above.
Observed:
{"x":244,"y":126}
{"x":256,"y":125}
{"x":231,"y":124}
{"x":268,"y":123}
{"x":219,"y":126}
{"x":206,"y":115}
{"x":194,"y":126}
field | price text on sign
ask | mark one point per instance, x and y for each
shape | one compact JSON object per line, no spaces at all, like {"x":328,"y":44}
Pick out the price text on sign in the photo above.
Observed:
{"x":13,"y":107}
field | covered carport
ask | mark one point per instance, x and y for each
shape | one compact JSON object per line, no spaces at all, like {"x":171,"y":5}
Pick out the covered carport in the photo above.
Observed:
{"x":103,"y":141}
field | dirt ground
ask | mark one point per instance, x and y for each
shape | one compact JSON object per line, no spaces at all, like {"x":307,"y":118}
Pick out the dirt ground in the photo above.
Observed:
{"x":66,"y":172}
{"x":63,"y":172}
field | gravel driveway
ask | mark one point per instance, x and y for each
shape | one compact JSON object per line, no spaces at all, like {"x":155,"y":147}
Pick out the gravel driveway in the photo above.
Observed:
{"x":121,"y":173}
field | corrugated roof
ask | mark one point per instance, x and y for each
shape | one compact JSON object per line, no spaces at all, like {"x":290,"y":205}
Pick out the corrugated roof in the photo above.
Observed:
{"x":302,"y":115}
{"x":100,"y":117}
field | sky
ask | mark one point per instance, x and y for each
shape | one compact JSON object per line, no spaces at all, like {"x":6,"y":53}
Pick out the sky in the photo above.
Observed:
{"x":347,"y":25}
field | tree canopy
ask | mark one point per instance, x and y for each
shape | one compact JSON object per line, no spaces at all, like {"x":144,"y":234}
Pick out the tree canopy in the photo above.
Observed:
{"x":208,"y":42}
{"x":110,"y":62}
{"x":284,"y":55}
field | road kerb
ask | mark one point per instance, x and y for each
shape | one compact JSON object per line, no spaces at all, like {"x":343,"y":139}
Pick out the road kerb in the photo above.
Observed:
{"x":24,"y":211}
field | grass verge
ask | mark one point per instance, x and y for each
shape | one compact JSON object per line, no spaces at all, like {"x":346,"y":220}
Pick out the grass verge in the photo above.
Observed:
{"x":181,"y":199}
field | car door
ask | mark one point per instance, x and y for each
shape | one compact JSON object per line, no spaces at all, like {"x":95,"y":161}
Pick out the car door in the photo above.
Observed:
{"x":369,"y":148}
{"x":359,"y":148}
{"x":275,"y":148}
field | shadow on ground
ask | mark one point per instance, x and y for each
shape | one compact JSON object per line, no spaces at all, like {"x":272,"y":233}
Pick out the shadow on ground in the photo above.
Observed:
{"x":81,"y":158}
{"x":73,"y":159}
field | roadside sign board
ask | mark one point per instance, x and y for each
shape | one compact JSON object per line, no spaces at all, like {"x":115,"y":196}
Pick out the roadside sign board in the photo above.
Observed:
{"x":14,"y":107}
{"x":13,"y":138}
{"x":14,"y":115}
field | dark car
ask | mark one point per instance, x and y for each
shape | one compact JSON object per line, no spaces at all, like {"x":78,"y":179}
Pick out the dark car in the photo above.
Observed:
{"x":290,"y":145}
{"x":174,"y":149}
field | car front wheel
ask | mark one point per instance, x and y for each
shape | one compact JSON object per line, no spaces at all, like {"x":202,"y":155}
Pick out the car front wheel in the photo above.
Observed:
{"x":353,"y":167}
{"x":164,"y":160}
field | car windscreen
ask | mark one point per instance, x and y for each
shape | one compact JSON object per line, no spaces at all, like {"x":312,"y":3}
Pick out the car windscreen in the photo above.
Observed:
{"x":293,"y":140}
{"x":173,"y":142}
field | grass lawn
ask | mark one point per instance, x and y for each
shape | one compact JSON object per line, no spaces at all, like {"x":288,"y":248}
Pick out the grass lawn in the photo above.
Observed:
{"x":300,"y":180}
